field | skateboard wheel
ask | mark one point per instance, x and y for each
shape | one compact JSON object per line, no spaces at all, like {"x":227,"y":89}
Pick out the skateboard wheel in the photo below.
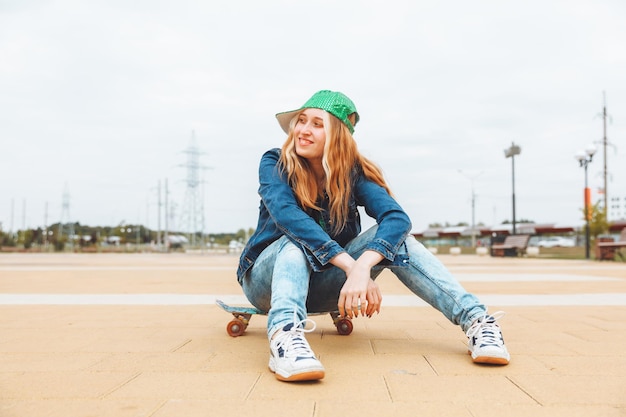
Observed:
{"x":344,"y":326}
{"x":235,"y":328}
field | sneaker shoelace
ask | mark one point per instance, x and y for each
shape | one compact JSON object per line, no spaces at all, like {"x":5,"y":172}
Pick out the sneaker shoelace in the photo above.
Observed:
{"x":292,"y":341}
{"x":486,"y":330}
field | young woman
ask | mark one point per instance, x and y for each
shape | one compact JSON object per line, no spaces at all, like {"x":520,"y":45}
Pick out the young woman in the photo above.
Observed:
{"x":308,"y":252}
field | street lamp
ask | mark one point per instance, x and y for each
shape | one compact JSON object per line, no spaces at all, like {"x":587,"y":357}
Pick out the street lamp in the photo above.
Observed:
{"x":510,"y":153}
{"x":584,"y":159}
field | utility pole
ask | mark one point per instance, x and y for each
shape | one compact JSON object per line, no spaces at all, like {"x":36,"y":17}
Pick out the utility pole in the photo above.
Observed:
{"x":605,"y":171}
{"x":23,"y":215}
{"x":65,"y":218}
{"x":45,"y":226}
{"x":605,"y":143}
{"x":166,"y":237}
{"x":159,"y":215}
{"x":472,"y":178}
{"x":11,"y":230}
{"x":23,"y":234}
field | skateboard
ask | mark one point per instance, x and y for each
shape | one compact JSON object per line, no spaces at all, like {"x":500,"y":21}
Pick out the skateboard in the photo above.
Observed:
{"x":237,"y":326}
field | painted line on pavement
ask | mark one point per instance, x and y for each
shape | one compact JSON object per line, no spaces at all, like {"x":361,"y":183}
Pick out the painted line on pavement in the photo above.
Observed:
{"x":53,"y":268}
{"x":462,"y":277}
{"x":598,"y":299}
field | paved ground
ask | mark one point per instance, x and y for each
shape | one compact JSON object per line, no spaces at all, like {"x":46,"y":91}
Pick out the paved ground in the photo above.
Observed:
{"x":139,"y":335}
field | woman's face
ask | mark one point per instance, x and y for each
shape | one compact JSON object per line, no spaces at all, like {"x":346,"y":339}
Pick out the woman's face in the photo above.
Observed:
{"x":309,"y":134}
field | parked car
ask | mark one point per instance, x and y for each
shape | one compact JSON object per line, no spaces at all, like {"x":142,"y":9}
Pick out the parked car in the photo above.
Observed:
{"x":556,"y":242}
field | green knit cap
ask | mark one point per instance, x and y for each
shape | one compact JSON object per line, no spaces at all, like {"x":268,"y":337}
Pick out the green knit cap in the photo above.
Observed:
{"x":334,"y":102}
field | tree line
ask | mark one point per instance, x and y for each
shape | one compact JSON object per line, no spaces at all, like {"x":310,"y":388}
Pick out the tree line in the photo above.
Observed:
{"x":57,"y":236}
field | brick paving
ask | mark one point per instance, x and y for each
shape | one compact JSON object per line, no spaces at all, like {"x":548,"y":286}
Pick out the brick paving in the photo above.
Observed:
{"x":139,"y":335}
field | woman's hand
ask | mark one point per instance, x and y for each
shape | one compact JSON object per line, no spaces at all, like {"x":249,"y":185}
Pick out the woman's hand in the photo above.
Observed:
{"x":374,"y":298}
{"x":354,"y":304}
{"x":360,"y":295}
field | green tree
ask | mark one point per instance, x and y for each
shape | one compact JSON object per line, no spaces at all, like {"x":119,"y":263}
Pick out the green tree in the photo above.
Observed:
{"x":520,"y":221}
{"x":7,"y":239}
{"x":447,"y":224}
{"x":598,"y":223}
{"x":29,"y":238}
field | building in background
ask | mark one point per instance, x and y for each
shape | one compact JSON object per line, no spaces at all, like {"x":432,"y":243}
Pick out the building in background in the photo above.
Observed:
{"x":617,"y":206}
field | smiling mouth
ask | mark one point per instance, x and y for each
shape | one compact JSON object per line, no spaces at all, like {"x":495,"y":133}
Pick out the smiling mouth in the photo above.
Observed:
{"x":304,"y":141}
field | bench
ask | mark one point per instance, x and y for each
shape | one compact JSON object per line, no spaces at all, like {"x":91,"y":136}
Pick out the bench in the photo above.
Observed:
{"x":607,"y":250}
{"x":513,"y":245}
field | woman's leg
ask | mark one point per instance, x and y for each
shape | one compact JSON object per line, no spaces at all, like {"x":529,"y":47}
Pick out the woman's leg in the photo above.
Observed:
{"x":429,"y":279}
{"x":417,"y":268}
{"x":278,"y":283}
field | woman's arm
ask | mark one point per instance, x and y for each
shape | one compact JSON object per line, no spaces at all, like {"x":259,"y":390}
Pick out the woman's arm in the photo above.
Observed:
{"x":280,"y":202}
{"x":393,"y":223}
{"x":393,"y":227}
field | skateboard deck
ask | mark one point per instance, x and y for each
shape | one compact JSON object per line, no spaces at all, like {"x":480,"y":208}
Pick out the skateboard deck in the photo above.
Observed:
{"x":242,"y":314}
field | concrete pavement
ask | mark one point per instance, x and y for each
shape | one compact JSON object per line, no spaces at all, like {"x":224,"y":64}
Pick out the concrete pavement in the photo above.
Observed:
{"x":140,"y":335}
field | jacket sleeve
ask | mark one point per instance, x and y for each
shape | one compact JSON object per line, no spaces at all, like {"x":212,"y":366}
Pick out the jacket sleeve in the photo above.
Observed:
{"x":280,"y":201}
{"x":394,"y":224}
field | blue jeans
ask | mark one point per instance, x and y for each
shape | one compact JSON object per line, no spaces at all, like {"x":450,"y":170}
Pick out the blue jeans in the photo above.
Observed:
{"x":281,"y":282}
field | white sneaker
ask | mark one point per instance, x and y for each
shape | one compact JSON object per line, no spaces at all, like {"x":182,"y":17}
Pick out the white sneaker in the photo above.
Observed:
{"x":291,"y":357}
{"x":486,"y":344}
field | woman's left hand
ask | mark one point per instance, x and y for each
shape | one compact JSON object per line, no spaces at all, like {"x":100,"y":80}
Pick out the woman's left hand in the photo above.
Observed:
{"x":374,"y":298}
{"x":360,"y":295}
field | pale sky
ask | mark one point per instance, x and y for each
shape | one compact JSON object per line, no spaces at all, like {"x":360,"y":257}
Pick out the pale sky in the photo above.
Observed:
{"x":102,"y":97}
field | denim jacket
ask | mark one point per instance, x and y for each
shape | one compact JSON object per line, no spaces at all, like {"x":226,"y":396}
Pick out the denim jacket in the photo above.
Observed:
{"x":280,"y":214}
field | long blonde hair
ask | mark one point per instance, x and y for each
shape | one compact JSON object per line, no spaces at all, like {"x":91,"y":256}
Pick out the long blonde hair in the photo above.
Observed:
{"x":341,"y":158}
